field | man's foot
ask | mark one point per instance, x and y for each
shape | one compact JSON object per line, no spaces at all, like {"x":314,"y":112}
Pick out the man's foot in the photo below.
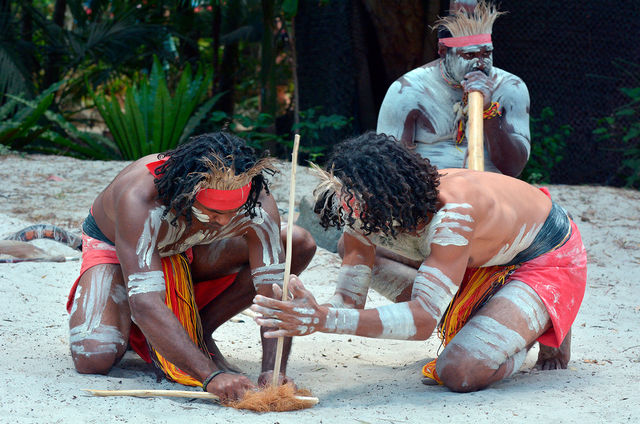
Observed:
{"x":552,"y":358}
{"x":219,"y":360}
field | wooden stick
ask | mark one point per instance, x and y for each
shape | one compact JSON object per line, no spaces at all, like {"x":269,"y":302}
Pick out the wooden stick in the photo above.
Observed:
{"x":287,"y":263}
{"x":175,"y":393}
{"x":475,"y":133}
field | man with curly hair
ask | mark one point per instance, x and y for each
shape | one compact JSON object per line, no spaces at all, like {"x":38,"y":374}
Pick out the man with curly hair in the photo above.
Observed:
{"x":426,"y":108}
{"x":489,"y":260}
{"x":178,"y":243}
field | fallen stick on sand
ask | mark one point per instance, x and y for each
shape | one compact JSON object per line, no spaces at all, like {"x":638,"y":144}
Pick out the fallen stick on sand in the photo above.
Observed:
{"x":283,"y":398}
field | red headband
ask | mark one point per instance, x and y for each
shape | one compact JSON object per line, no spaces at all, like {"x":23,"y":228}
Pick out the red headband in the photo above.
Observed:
{"x":469,"y":40}
{"x":223,"y":200}
{"x":220,"y":200}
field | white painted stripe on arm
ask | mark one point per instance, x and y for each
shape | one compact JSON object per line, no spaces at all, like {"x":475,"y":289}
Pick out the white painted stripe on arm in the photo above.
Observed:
{"x":342,"y":321}
{"x":397,"y":321}
{"x":146,"y":282}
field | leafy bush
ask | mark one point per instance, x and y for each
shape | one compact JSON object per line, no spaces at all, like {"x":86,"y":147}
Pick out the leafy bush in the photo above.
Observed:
{"x":624,"y":124}
{"x":256,"y":130}
{"x":151,"y":119}
{"x":30,"y":125}
{"x":548,"y":142}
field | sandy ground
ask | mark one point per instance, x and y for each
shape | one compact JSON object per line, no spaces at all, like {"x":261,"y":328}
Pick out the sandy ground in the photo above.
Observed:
{"x":357,"y":380}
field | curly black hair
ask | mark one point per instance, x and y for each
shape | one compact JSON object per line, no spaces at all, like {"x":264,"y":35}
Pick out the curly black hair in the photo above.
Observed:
{"x":178,"y":176}
{"x":390,"y":182}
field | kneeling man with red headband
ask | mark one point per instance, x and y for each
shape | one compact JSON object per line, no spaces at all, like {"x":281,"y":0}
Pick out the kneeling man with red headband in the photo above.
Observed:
{"x":178,"y":243}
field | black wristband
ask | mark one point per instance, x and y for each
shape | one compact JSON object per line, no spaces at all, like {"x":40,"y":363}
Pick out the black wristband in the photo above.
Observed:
{"x":207,"y":380}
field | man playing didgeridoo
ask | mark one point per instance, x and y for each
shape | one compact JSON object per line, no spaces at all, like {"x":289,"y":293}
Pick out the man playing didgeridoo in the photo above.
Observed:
{"x":177,"y":244}
{"x":426,"y":108}
{"x":491,"y":261}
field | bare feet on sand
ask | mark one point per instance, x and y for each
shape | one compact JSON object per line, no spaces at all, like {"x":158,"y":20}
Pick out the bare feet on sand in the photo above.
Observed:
{"x":552,"y":358}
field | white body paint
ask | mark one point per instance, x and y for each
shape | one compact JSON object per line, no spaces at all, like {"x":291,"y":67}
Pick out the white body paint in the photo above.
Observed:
{"x":149,"y":237}
{"x":397,"y":321}
{"x":200,"y":216}
{"x":425,"y":93}
{"x":520,"y":242}
{"x":146,"y":282}
{"x":448,"y":224}
{"x":389,"y":282}
{"x":353,"y":283}
{"x":269,"y":275}
{"x":342,"y":321}
{"x":528,"y":302}
{"x":489,"y":341}
{"x":108,"y":338}
{"x":433,"y":290}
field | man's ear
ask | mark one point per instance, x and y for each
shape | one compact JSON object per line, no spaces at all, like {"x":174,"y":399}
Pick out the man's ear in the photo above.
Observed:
{"x":442,"y":50}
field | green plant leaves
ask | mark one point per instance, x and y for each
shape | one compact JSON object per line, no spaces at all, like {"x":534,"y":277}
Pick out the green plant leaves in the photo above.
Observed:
{"x":151,"y":118}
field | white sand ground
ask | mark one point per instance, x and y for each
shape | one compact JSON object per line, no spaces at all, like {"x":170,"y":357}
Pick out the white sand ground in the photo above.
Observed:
{"x":357,"y":380}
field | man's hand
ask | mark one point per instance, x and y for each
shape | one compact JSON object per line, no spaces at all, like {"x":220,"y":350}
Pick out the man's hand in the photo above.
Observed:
{"x":297,"y":317}
{"x":229,"y":386}
{"x":479,"y":81}
{"x":266,"y":378}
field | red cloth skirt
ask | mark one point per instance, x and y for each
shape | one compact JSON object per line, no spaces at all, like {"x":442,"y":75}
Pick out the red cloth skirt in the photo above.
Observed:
{"x":96,"y":252}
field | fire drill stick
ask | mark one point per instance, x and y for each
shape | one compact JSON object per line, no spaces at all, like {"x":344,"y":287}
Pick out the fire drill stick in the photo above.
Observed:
{"x":287,"y":263}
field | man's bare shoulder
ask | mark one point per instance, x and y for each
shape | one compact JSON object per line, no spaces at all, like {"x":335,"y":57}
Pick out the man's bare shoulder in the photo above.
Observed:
{"x":133,"y":188}
{"x":508,"y":81}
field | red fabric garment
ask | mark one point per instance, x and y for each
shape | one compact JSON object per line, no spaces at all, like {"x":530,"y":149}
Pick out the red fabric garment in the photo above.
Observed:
{"x":559,"y":278}
{"x":96,"y":252}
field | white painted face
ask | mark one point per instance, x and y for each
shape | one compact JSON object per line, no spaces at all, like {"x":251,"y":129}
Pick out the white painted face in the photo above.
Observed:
{"x":215,"y":218}
{"x":459,"y":61}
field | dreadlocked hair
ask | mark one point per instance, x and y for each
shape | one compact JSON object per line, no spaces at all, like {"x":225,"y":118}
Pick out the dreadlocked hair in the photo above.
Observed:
{"x":375,"y":180}
{"x":216,"y":160}
{"x":462,"y":22}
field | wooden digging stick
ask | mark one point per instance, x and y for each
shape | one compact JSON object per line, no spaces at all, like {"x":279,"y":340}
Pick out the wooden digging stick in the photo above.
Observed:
{"x":475,"y":133}
{"x":176,"y":393}
{"x":287,"y":263}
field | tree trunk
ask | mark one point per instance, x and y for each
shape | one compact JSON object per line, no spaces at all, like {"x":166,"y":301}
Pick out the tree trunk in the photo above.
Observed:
{"x":268,"y":97}
{"x":52,"y":71}
{"x":403,"y":32}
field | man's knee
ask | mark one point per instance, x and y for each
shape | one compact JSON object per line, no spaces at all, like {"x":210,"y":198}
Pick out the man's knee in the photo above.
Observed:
{"x":88,"y":361}
{"x":97,"y":352}
{"x":458,"y":371}
{"x":304,"y":245}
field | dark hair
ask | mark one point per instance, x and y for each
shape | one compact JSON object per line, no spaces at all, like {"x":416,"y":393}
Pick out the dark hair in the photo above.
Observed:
{"x":390,"y":182}
{"x":177,"y":178}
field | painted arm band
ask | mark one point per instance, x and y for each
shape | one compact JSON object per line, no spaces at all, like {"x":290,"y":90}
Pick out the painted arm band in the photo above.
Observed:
{"x":268,"y":274}
{"x":353,"y":284}
{"x":146,"y":282}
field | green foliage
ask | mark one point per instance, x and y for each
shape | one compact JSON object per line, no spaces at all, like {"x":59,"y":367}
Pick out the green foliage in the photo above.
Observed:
{"x":548,"y":142}
{"x":19,"y":119}
{"x":152,"y":119}
{"x":256,"y":130}
{"x":309,"y":129}
{"x":624,"y":124}
{"x":28,"y":125}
